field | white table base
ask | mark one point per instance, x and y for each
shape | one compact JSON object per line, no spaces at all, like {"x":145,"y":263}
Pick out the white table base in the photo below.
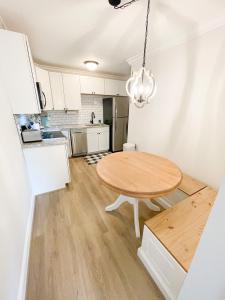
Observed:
{"x":135,"y":202}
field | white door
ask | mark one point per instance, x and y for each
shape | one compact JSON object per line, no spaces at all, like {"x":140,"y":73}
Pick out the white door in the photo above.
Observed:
{"x":103,"y":141}
{"x":17,"y":73}
{"x":56,"y":83}
{"x":92,"y":85}
{"x":43,"y":78}
{"x":92,"y":142}
{"x":71,"y":84}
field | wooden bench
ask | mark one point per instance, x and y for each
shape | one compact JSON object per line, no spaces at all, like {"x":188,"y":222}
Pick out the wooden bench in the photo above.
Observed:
{"x":188,"y":187}
{"x":170,"y":239}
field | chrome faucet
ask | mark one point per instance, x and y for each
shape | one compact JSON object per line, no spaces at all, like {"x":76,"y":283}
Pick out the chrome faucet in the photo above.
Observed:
{"x":92,"y":118}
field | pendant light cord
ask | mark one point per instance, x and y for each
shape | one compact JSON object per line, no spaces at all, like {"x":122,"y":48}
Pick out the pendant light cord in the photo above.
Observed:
{"x":125,"y":4}
{"x":146,"y":34}
{"x":146,"y":25}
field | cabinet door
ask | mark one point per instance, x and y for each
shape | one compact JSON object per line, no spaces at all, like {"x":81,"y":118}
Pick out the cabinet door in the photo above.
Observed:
{"x":111,"y":87}
{"x":56,"y":83}
{"x":122,"y":88}
{"x":103,"y":141}
{"x":17,"y":73}
{"x":92,"y":85}
{"x":48,"y":168}
{"x":71,"y":84}
{"x":43,"y":78}
{"x":115,"y":87}
{"x":92,"y":142}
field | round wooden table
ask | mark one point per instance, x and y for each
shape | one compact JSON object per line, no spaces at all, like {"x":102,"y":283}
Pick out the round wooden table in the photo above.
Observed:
{"x":138,"y":176}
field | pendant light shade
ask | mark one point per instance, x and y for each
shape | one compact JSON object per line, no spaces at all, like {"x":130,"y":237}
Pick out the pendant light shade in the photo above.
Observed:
{"x":141,"y":87}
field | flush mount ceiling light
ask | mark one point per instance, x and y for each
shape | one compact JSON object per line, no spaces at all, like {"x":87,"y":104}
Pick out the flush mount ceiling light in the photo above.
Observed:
{"x":91,"y":65}
{"x":141,"y":87}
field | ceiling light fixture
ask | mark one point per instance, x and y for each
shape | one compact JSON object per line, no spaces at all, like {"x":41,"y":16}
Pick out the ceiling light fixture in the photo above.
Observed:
{"x":141,"y":87}
{"x":91,"y":65}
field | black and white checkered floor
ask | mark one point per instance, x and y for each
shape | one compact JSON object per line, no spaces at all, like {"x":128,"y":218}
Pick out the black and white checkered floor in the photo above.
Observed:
{"x":94,"y":158}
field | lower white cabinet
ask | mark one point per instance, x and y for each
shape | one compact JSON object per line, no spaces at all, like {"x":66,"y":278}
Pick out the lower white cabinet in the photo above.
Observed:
{"x":98,"y":139}
{"x":103,"y":140}
{"x":163,"y":268}
{"x":48,"y":167}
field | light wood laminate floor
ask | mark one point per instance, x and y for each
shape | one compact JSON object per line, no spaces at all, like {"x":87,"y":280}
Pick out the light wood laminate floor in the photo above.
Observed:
{"x":78,"y":251}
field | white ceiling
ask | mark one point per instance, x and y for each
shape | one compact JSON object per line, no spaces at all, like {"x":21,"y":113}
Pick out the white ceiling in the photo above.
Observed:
{"x":67,"y":32}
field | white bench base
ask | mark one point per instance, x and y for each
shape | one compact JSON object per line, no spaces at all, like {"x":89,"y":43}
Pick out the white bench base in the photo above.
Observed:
{"x":163,"y":268}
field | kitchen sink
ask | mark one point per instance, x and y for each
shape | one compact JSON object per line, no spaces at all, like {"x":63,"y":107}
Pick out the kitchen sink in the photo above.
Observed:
{"x":94,"y":125}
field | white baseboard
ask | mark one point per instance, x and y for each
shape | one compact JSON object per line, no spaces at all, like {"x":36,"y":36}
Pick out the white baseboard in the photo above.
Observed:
{"x":26,"y":252}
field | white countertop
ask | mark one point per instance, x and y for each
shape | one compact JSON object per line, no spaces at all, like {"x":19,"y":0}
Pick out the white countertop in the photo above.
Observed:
{"x":45,"y":143}
{"x":71,"y":126}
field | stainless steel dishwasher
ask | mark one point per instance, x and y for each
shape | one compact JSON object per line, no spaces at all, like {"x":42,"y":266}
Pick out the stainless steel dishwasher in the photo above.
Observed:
{"x":79,"y":141}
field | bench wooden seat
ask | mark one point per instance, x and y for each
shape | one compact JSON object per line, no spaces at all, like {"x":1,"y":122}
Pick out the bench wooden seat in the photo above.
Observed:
{"x":190,"y":185}
{"x":179,"y":228}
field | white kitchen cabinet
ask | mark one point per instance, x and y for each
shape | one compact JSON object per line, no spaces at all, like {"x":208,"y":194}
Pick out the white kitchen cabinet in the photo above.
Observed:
{"x":103,"y":140}
{"x":92,"y":142}
{"x":17,"y":73}
{"x":47,"y":167}
{"x":56,"y":82}
{"x":43,"y":78}
{"x":92,"y":85}
{"x":122,"y":88}
{"x":72,"y":95}
{"x":115,"y":87}
{"x":97,"y":139}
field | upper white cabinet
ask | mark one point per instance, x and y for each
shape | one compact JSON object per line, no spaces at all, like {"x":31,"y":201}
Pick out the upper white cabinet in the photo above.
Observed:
{"x":43,"y":78}
{"x":115,"y":87}
{"x":17,"y":74}
{"x":71,"y":84}
{"x":56,"y":82}
{"x":92,"y":85}
{"x":122,"y":88}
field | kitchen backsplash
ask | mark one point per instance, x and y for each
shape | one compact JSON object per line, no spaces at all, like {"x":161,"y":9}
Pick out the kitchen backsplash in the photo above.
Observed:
{"x":90,"y":103}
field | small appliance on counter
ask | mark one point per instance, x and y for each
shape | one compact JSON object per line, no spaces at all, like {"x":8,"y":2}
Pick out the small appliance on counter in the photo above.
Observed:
{"x":31,"y":135}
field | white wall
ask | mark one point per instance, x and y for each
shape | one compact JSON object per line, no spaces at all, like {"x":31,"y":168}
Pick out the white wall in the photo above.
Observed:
{"x":15,"y":205}
{"x":186,"y":120}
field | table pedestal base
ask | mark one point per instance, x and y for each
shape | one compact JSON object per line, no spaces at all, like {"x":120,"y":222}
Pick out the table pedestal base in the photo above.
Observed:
{"x":135,"y":202}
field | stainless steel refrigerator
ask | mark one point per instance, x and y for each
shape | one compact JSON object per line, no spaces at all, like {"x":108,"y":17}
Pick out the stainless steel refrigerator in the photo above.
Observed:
{"x":115,"y":114}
